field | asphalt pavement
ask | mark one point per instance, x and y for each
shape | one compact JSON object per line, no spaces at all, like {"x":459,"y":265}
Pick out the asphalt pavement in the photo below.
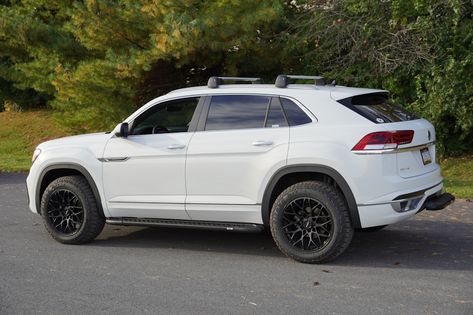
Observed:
{"x":421,"y":266}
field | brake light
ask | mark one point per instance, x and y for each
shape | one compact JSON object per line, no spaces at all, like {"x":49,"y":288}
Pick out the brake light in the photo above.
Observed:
{"x":384,"y":140}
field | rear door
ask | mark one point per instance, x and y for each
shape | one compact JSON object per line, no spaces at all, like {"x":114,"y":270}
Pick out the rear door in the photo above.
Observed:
{"x":242,"y":139}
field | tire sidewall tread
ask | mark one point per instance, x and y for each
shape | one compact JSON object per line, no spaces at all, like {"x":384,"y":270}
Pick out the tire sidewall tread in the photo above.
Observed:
{"x":334,"y":202}
{"x":93,"y":221}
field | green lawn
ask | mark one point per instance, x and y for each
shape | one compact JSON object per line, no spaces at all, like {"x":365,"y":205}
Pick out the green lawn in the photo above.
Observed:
{"x":21,"y":132}
{"x":458,"y":173}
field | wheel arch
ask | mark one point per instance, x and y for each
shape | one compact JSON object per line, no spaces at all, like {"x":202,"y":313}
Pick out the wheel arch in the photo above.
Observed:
{"x":308,"y":172}
{"x":52,"y":172}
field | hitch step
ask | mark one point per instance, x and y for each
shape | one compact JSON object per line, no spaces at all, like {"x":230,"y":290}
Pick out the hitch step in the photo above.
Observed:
{"x":438,"y":202}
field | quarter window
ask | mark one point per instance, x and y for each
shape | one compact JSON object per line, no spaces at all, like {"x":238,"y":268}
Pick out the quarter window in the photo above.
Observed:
{"x":237,"y":112}
{"x":275,"y":116}
{"x":168,"y":117}
{"x":295,"y":115}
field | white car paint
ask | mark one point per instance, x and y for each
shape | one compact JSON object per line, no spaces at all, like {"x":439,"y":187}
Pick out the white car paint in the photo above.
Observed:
{"x":223,"y":175}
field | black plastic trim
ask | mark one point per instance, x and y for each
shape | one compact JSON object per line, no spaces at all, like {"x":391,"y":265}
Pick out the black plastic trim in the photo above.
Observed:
{"x":193,"y":224}
{"x":438,"y":202}
{"x":418,"y":193}
{"x":196,"y":116}
{"x":309,"y":168}
{"x":203,"y":114}
{"x":69,"y":166}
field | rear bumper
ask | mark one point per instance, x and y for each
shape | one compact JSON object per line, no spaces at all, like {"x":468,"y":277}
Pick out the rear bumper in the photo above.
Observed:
{"x":397,"y":210}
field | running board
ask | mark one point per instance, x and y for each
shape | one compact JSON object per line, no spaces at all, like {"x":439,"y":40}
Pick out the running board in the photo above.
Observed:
{"x":191,"y":224}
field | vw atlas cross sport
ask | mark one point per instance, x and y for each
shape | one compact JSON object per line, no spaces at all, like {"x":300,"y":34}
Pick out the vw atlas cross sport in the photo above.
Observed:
{"x":312,"y":162}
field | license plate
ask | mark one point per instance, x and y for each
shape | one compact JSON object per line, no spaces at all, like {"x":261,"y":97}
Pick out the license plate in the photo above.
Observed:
{"x":425,"y":153}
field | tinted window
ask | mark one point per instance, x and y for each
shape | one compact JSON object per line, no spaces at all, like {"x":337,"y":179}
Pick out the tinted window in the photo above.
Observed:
{"x":377,"y":108}
{"x":275,"y":116}
{"x":295,"y":115}
{"x":173,"y":116}
{"x":237,"y":112}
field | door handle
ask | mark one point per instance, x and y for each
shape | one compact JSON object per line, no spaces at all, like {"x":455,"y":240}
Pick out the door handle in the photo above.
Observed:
{"x":176,"y":146}
{"x":262,"y":143}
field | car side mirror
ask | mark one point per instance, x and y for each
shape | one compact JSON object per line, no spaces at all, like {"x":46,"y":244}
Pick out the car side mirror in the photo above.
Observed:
{"x":123,"y":130}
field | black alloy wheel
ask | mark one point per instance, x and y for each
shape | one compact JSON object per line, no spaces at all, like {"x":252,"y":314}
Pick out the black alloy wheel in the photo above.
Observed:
{"x":65,"y":211}
{"x":310,"y":222}
{"x":307,"y":224}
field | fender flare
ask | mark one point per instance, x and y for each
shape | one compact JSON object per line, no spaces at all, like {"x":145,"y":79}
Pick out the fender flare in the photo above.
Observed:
{"x":70,"y":166}
{"x":311,"y":168}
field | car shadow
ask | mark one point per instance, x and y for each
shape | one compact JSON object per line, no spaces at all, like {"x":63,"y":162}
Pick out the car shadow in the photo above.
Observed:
{"x":417,"y":244}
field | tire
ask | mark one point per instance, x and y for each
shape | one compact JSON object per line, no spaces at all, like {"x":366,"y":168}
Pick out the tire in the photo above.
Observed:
{"x":372,"y":229}
{"x":70,"y":212}
{"x":327,"y":222}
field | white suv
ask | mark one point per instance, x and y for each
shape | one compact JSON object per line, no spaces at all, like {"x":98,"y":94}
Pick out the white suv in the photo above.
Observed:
{"x":313,"y":162}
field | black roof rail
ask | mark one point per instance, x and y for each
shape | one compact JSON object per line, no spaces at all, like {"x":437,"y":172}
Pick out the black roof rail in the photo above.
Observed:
{"x":214,"y":82}
{"x":283,"y":79}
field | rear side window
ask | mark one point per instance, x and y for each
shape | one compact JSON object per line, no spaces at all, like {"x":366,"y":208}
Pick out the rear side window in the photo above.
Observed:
{"x":237,"y":112}
{"x":377,"y":108}
{"x":294,"y":114}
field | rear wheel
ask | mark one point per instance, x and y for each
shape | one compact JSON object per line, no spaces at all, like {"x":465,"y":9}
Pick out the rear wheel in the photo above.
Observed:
{"x":310,"y":222}
{"x":70,"y":212}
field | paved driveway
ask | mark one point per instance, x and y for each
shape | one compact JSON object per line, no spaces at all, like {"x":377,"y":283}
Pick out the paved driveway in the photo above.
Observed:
{"x":421,"y":266}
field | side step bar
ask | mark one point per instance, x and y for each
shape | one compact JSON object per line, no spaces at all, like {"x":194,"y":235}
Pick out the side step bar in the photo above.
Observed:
{"x":191,"y":224}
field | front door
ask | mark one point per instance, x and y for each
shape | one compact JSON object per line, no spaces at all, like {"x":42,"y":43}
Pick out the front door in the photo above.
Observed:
{"x":144,"y":174}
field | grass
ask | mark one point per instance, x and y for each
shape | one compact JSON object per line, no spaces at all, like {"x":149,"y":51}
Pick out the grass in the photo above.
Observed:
{"x":21,"y":132}
{"x":458,"y":173}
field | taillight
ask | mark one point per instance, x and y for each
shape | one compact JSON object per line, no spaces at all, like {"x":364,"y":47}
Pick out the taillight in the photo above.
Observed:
{"x":384,"y":140}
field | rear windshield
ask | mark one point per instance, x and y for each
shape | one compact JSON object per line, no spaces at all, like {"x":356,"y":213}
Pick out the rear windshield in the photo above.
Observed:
{"x":377,"y":108}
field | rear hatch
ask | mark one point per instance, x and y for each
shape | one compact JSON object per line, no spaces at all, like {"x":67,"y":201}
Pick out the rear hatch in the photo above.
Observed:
{"x":417,"y":157}
{"x":414,"y":158}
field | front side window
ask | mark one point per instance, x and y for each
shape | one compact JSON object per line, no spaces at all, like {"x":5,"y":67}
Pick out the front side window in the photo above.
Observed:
{"x":167,"y":117}
{"x":237,"y":112}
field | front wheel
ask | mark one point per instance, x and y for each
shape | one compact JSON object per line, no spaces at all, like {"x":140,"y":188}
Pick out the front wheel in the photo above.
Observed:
{"x":70,"y":212}
{"x":310,"y":222}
